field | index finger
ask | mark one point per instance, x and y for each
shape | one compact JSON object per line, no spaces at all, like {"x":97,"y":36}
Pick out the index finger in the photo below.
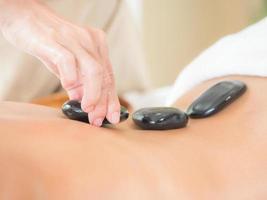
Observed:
{"x":92,"y":77}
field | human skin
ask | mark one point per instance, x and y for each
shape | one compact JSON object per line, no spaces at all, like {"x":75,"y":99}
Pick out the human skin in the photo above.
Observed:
{"x":77,"y":55}
{"x":45,"y":156}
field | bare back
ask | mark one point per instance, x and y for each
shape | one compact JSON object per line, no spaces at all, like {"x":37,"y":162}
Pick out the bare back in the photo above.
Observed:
{"x":221,"y":157}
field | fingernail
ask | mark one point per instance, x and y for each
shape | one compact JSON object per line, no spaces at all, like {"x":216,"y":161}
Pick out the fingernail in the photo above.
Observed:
{"x":115,"y":118}
{"x":98,"y":122}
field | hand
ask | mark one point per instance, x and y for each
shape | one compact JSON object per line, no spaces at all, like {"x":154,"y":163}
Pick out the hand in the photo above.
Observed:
{"x":77,"y":56}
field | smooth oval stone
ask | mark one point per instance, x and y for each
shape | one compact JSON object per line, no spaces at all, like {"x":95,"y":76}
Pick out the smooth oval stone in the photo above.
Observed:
{"x":216,"y":98}
{"x":72,"y":109}
{"x":161,"y":118}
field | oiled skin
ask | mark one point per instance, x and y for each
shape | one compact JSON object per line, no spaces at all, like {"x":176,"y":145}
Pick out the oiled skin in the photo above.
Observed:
{"x":44,"y":156}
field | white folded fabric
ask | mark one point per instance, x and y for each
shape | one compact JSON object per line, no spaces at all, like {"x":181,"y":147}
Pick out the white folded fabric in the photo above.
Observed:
{"x":243,"y":53}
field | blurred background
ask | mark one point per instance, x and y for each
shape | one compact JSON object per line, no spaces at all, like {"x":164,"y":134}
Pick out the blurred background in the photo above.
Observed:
{"x":173,"y":32}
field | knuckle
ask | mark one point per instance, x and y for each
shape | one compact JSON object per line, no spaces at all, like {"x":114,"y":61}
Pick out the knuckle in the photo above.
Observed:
{"x":109,"y":79}
{"x":85,"y":34}
{"x":83,"y":31}
{"x":66,"y":57}
{"x":68,"y":83}
{"x":65,"y":31}
{"x":69,"y":58}
{"x":114,"y":106}
{"x":101,"y":110}
{"x":87,"y":107}
{"x":100,"y":34}
{"x":110,"y":82}
{"x":89,"y":104}
{"x":92,"y":99}
{"x":96,"y":71}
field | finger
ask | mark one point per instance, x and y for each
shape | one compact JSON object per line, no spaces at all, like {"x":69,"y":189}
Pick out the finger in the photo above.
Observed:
{"x":113,"y":113}
{"x":97,"y":116}
{"x":90,"y":74}
{"x":53,"y":54}
{"x":68,"y":74}
{"x":51,"y":67}
{"x":113,"y":105}
{"x":76,"y":93}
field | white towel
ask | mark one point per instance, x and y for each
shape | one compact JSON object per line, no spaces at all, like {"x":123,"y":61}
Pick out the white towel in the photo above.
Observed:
{"x":243,"y":53}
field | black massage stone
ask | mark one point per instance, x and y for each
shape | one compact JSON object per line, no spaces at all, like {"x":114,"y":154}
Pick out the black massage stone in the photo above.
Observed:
{"x":162,"y":118}
{"x":216,"y":98}
{"x":72,"y":109}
